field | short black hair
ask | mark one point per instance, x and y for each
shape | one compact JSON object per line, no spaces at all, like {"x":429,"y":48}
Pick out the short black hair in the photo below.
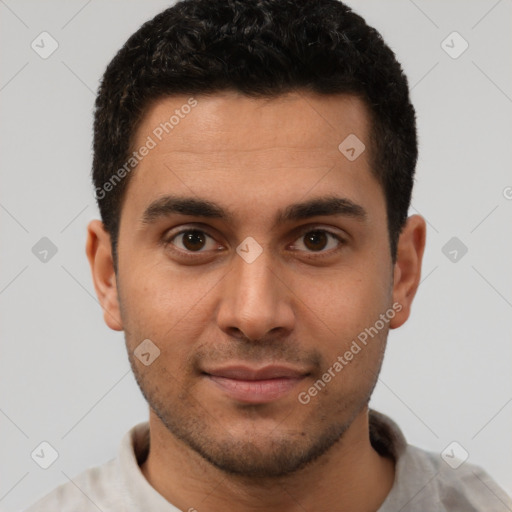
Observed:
{"x":261,"y":48}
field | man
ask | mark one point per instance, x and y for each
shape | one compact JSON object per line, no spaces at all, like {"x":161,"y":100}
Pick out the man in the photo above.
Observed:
{"x":253,"y":165}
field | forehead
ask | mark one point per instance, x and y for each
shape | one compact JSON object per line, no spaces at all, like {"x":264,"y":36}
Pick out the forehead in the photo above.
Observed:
{"x":242,"y":149}
{"x":229,"y":120}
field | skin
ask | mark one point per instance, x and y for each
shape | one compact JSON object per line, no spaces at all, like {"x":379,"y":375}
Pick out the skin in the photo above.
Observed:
{"x":298,"y":303}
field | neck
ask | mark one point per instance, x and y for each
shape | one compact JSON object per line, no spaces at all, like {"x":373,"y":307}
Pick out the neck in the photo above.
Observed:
{"x":351,"y":476}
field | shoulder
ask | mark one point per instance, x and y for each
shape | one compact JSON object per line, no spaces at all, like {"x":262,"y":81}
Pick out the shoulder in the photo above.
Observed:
{"x":425,"y":481}
{"x":91,"y":490}
{"x":107,"y":487}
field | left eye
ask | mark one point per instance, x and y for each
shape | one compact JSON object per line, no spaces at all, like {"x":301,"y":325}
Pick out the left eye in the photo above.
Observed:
{"x":318,"y":240}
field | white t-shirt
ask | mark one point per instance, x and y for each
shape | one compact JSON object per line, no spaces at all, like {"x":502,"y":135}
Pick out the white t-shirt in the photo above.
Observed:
{"x":424,"y":482}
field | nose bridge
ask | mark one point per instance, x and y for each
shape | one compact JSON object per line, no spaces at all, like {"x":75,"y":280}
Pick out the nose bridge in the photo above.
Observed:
{"x":255,"y":301}
{"x":255,"y":280}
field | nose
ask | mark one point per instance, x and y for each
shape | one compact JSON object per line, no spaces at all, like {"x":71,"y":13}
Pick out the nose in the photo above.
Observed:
{"x":255,"y":300}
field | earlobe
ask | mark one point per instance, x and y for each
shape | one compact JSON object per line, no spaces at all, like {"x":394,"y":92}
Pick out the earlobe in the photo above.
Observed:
{"x":407,"y":271}
{"x":99,"y":254}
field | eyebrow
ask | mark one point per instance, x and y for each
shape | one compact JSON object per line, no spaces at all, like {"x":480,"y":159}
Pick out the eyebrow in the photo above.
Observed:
{"x":322,"y":206}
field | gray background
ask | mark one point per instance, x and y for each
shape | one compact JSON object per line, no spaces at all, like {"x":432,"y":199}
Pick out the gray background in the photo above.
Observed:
{"x":65,"y":376}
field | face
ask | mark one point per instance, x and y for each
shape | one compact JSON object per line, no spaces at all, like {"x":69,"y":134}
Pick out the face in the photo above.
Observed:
{"x":254,"y":254}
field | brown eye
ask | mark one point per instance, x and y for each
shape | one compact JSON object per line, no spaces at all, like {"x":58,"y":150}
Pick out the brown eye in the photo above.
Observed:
{"x":318,"y":240}
{"x":192,"y":240}
{"x":315,"y":240}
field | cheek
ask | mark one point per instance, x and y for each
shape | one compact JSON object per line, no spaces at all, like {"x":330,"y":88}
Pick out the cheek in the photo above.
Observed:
{"x":164,"y":295}
{"x":346,"y":302}
{"x":165,"y":307}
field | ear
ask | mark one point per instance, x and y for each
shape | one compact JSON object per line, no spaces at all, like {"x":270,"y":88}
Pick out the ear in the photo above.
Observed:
{"x":99,"y":254}
{"x":407,"y":270}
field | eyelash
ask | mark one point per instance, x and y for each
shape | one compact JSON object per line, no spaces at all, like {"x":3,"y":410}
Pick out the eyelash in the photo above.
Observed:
{"x":194,"y":255}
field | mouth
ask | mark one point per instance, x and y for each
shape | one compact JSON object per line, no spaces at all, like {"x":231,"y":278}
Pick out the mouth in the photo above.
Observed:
{"x":255,"y":385}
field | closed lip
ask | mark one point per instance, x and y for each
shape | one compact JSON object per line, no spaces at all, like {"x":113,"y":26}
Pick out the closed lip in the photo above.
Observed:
{"x":250,"y":385}
{"x":247,"y":373}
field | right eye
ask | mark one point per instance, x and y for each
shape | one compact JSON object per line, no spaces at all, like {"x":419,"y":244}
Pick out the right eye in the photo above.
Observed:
{"x":191,"y":240}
